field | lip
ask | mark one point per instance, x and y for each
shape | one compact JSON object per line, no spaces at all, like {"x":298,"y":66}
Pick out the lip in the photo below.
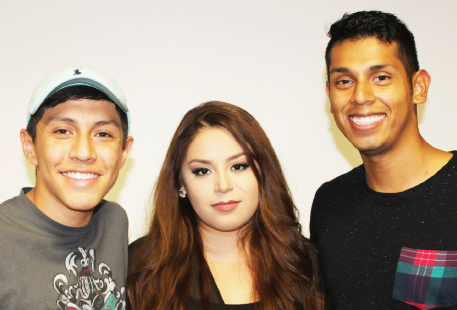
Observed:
{"x":89,"y":177}
{"x":366,"y":122}
{"x":225,"y":206}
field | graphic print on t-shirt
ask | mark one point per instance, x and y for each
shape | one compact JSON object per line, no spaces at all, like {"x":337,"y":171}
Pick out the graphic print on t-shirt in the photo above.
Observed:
{"x":87,"y":288}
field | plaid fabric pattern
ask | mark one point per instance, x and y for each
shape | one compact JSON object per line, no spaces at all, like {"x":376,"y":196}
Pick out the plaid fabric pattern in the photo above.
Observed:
{"x":426,"y":279}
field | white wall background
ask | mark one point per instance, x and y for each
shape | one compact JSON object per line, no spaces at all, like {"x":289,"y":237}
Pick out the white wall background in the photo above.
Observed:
{"x":262,"y":55}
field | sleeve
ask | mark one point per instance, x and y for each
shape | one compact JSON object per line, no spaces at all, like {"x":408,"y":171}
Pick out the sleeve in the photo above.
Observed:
{"x":314,"y":211}
{"x":317,"y":275}
{"x":133,"y":247}
{"x":128,"y":306}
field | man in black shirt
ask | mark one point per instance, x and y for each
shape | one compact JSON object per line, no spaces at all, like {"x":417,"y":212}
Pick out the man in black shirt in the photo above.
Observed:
{"x":386,"y":230}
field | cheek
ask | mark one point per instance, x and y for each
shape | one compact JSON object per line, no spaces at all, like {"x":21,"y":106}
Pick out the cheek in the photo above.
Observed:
{"x":251,"y":189}
{"x":197,"y":192}
{"x":110,"y":157}
{"x":386,"y":96}
{"x":335,"y":106}
{"x":197,"y":189}
{"x":255,"y":197}
{"x":47,"y":156}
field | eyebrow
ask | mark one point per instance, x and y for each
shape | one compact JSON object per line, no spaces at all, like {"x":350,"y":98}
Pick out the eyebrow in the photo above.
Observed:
{"x":372,"y":68}
{"x":378,"y":67}
{"x":59,"y":118}
{"x":207,"y":162}
{"x":113,"y":122}
{"x":339,"y":70}
{"x":70,"y":120}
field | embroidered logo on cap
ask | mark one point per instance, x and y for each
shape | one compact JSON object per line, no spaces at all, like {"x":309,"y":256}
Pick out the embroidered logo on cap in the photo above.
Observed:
{"x":77,"y":72}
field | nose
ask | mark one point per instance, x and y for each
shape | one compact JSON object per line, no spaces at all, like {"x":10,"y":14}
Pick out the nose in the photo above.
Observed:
{"x":223,"y":183}
{"x":363,"y":93}
{"x":83,"y":149}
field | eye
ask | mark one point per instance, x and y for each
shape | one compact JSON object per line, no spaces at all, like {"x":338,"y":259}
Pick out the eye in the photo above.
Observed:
{"x":201,"y":171}
{"x":342,"y":82}
{"x":62,"y":131}
{"x":382,"y":78}
{"x":237,"y":167}
{"x":103,"y":135}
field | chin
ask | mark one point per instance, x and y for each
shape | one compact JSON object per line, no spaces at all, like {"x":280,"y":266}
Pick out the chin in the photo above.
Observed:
{"x":83,"y":205}
{"x":369,"y":147}
{"x":229,"y":228}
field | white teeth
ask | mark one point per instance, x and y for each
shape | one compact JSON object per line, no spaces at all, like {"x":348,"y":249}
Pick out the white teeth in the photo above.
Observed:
{"x":366,"y":120}
{"x":80,"y":176}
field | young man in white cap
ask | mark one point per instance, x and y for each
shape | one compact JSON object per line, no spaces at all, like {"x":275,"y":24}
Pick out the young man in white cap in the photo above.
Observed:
{"x":62,"y":245}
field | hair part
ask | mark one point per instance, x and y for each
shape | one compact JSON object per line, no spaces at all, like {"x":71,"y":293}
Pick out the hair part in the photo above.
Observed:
{"x":79,"y":92}
{"x":386,"y":27}
{"x":160,"y":270}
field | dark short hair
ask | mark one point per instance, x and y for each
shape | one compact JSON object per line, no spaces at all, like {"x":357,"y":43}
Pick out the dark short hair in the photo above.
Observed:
{"x":75,"y":93}
{"x":385,"y":27}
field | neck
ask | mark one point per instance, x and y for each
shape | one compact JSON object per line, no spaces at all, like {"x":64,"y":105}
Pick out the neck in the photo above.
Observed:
{"x":220,"y":246}
{"x":403,"y":167}
{"x":56,"y":211}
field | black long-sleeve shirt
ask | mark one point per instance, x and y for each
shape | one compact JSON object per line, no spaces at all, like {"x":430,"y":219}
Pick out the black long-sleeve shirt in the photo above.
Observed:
{"x":360,"y":233}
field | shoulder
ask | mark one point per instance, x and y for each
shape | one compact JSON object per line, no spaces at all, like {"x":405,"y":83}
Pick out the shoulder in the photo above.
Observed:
{"x":133,"y":247}
{"x":334,"y":197}
{"x":312,"y":252}
{"x":12,"y":217}
{"x":133,"y":251}
{"x":15,"y":209}
{"x":453,"y":161}
{"x":110,"y":210}
{"x":15,"y":201}
{"x":341,"y":184}
{"x":317,"y":275}
{"x":111,"y":217}
{"x":111,"y":206}
{"x":9,"y":203}
{"x":311,"y":249}
{"x":345,"y":180}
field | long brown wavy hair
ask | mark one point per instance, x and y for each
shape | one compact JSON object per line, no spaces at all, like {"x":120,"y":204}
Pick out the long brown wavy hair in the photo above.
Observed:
{"x":274,"y":246}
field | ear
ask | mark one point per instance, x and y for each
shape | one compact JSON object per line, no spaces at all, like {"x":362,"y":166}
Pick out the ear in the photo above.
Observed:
{"x":327,"y":90}
{"x":421,"y":83}
{"x":125,"y":151}
{"x":28,"y":147}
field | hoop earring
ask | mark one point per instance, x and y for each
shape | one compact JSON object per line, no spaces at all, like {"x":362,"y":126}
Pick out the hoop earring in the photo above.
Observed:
{"x":182,"y":192}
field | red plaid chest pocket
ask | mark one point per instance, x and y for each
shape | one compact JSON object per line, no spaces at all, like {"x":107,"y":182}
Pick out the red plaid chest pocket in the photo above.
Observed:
{"x":426,"y":279}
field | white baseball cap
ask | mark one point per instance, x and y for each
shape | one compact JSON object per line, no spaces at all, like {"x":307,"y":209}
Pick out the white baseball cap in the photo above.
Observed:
{"x":77,"y":76}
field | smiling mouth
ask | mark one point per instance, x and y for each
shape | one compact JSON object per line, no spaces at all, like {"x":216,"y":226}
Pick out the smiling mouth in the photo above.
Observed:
{"x":80,"y":175}
{"x":366,"y":120}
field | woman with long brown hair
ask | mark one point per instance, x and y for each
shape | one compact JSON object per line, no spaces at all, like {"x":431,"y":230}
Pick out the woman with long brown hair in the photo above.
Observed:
{"x":224,"y":232}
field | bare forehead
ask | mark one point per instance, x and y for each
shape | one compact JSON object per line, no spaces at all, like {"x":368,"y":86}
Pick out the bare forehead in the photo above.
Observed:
{"x":213,"y":136}
{"x":366,"y":51}
{"x":82,"y":110}
{"x":213,"y":142}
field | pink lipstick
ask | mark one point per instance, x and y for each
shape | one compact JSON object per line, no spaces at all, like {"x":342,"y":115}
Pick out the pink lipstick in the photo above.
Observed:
{"x":225,"y":206}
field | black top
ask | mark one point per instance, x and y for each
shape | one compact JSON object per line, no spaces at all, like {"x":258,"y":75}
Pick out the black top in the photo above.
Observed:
{"x":217,"y":303}
{"x":359,"y":234}
{"x":194,"y":302}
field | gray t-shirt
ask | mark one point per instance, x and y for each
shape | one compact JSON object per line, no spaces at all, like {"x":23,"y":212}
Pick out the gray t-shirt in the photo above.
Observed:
{"x":45,"y":265}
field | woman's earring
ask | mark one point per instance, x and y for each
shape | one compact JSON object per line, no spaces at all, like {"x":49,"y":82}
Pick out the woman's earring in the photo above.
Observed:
{"x":182,"y":192}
